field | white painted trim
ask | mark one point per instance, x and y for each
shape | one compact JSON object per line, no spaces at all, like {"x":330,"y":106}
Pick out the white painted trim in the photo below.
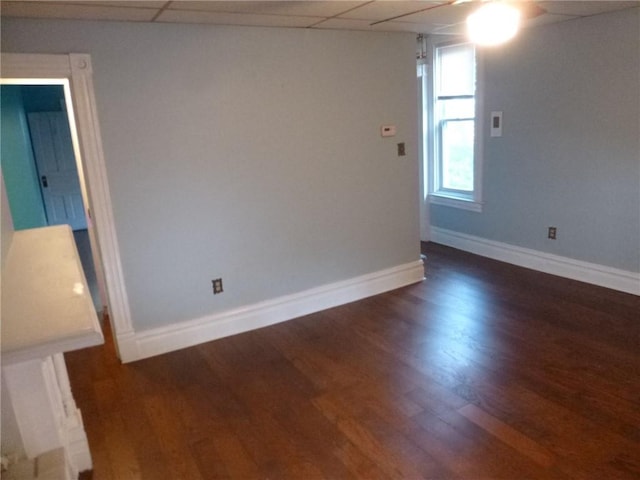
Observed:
{"x":35,"y":66}
{"x":593,"y":273}
{"x":437,"y":194}
{"x":77,"y":69}
{"x":102,"y":214}
{"x":447,"y":201}
{"x":192,"y":332}
{"x":425,"y":222}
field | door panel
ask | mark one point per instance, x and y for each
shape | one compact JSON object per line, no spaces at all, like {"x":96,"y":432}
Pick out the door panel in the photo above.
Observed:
{"x":57,"y":169}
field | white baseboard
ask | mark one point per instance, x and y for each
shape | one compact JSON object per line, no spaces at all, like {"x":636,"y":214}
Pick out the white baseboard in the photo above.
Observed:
{"x":136,"y":346}
{"x":596,"y":274}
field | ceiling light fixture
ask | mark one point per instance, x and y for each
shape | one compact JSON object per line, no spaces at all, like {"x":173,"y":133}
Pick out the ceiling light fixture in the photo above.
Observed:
{"x":493,"y":23}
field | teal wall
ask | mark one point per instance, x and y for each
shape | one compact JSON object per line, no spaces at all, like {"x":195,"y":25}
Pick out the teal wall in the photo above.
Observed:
{"x":42,"y":98}
{"x":18,"y":165}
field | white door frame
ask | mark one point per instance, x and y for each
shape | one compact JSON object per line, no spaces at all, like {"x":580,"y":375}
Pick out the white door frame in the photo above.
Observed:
{"x":425,"y":220}
{"x":74,"y":72}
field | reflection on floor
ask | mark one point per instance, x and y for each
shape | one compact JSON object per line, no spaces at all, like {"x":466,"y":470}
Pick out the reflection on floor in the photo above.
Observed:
{"x":84,"y":250}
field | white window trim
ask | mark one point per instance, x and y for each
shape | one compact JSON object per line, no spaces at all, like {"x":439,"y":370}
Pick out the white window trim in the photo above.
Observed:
{"x":450,"y":199}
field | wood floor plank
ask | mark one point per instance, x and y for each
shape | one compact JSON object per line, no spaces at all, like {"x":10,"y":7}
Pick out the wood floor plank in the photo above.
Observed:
{"x":145,"y":443}
{"x":483,"y":371}
{"x":172,"y":438}
{"x":508,"y":435}
{"x":357,"y":463}
{"x":469,"y":451}
{"x":219,"y":410}
{"x":123,"y":461}
{"x":394,"y":464}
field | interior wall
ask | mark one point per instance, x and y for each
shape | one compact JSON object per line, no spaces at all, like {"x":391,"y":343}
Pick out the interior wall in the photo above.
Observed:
{"x":250,"y":154}
{"x":11,"y":442}
{"x":569,"y":156}
{"x":6,"y":227}
{"x":42,"y":98}
{"x":18,"y":164}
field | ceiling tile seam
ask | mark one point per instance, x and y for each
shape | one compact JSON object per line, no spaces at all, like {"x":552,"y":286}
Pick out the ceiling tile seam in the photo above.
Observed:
{"x":605,"y":12}
{"x":161,"y":10}
{"x":83,"y":4}
{"x":448,"y":3}
{"x":208,"y":12}
{"x":321,"y":17}
{"x":240,"y":18}
{"x":325,"y":19}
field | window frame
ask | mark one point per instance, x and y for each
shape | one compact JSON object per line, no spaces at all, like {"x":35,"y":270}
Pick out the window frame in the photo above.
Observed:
{"x":437,"y":194}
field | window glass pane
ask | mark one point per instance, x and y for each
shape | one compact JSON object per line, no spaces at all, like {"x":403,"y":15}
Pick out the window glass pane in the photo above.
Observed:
{"x":457,"y":108}
{"x":456,"y":70}
{"x":457,"y":155}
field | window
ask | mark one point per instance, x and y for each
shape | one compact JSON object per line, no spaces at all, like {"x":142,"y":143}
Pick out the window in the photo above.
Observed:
{"x":452,"y":149}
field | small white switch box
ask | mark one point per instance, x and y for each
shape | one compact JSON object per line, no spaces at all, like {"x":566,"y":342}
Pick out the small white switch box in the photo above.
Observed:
{"x":496,"y":124}
{"x":388,"y":130}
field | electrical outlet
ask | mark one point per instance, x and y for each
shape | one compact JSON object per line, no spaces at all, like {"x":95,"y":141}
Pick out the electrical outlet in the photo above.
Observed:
{"x":401,"y":152}
{"x":496,"y":124}
{"x":552,"y":233}
{"x":217,"y":286}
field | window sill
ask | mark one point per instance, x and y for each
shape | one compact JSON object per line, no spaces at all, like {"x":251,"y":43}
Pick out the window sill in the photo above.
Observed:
{"x":455,"y":202}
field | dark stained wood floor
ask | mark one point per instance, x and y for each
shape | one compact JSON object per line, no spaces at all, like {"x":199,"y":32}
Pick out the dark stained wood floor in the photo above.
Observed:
{"x":483,"y":371}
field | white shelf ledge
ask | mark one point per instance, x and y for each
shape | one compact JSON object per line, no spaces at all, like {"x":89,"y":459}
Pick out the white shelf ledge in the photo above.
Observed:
{"x":46,"y":303}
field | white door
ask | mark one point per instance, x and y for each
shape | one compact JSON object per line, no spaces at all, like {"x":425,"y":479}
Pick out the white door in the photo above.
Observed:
{"x":57,"y":169}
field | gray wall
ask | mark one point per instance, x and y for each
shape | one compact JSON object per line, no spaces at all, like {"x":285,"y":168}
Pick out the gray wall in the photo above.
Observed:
{"x":251,"y":154}
{"x":569,"y":156}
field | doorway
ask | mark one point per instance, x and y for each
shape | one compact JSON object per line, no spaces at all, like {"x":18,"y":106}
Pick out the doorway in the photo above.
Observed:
{"x":40,"y":168}
{"x":75,"y":73}
{"x":52,"y":146}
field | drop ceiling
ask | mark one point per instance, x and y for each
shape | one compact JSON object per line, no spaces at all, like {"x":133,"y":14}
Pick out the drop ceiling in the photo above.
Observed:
{"x":419,"y":16}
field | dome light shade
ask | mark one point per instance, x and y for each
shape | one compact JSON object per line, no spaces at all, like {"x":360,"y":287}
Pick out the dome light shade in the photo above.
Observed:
{"x":493,"y":24}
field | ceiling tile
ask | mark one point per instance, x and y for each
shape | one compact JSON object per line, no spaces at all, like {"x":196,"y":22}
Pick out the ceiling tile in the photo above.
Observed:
{"x":355,"y":24}
{"x":295,"y":8}
{"x":548,"y":19}
{"x":223,"y":18}
{"x":455,"y":29}
{"x":584,"y":8}
{"x":443,"y":15}
{"x":353,"y":15}
{"x":397,"y":26}
{"x":382,"y":10}
{"x":133,"y":4}
{"x":79,"y":11}
{"x":344,"y":24}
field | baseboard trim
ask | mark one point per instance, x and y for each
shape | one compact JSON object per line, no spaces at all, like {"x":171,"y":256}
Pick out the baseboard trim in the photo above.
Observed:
{"x":616,"y":279}
{"x":148,"y":343}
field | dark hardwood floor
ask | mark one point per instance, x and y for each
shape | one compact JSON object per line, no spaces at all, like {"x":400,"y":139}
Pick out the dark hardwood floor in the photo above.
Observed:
{"x":483,"y":371}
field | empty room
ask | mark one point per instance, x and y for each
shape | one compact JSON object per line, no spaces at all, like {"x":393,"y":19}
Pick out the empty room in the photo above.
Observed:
{"x":320,"y":239}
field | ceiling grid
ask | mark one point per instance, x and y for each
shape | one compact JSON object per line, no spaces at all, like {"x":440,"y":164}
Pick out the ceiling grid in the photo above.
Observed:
{"x":419,"y":16}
